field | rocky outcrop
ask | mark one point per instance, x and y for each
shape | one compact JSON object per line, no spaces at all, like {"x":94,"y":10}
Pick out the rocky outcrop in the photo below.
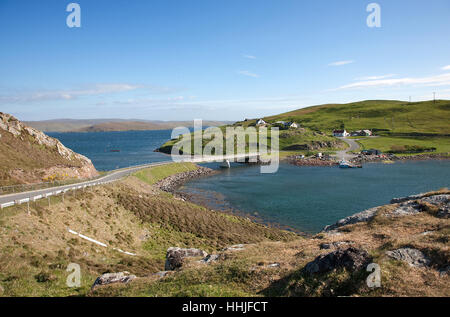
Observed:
{"x":362,"y":216}
{"x":42,"y":150}
{"x":110,"y":278}
{"x":351,"y":259}
{"x":438,"y":204}
{"x":411,"y":256}
{"x":175,"y":257}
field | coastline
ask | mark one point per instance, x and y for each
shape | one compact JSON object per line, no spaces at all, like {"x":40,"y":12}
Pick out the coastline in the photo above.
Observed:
{"x":173,"y":183}
{"x":326,"y":162}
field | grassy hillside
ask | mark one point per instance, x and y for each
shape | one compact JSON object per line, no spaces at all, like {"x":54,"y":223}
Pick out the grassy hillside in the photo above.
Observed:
{"x":291,"y":140}
{"x":130,"y":215}
{"x":387,"y":116}
{"x":134,"y":216}
{"x":29,"y":156}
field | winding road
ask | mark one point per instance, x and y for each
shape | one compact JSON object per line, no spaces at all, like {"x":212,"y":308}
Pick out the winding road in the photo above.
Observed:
{"x":113,"y":176}
{"x":344,"y":155}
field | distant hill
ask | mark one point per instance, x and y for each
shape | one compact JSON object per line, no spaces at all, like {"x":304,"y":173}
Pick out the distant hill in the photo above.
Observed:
{"x":387,"y":115}
{"x":99,"y":125}
{"x":29,"y":156}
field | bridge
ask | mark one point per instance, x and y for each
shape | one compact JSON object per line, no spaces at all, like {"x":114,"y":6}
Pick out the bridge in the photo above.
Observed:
{"x":34,"y":195}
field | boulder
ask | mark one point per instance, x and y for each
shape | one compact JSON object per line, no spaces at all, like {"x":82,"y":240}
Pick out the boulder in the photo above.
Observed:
{"x":109,"y":278}
{"x":351,"y":259}
{"x":411,"y":256}
{"x":175,"y":257}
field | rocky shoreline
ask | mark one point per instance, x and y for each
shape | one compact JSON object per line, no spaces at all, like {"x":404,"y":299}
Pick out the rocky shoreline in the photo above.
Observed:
{"x":172,"y":183}
{"x":330,"y":161}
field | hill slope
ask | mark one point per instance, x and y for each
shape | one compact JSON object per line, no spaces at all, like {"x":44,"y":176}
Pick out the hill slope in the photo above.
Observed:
{"x":137,"y":217}
{"x":390,"y":116}
{"x":29,"y":156}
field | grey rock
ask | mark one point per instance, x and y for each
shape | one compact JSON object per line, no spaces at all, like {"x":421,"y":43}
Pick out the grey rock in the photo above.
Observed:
{"x":109,"y":278}
{"x":406,"y":208}
{"x":437,"y":199}
{"x":334,"y":245}
{"x":175,"y":257}
{"x":236,"y":247}
{"x":403,"y":199}
{"x":411,"y":256}
{"x":445,"y":271}
{"x":210,"y":258}
{"x":351,"y":259}
{"x":362,"y":216}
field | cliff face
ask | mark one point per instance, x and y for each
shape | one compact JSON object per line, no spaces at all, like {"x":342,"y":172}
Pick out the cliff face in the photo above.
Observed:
{"x":29,"y":156}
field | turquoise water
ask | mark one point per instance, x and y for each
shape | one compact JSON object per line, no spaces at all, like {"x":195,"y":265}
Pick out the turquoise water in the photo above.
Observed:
{"x":302,"y":198}
{"x":136,"y":147}
{"x":308,"y":198}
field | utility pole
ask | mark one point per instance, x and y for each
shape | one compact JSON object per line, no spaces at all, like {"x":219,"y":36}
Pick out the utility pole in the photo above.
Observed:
{"x":434,"y":97}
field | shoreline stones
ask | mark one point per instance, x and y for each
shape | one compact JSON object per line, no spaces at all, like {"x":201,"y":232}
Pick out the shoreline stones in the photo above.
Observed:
{"x":362,"y":216}
{"x":171,"y":183}
{"x":110,"y":278}
{"x":410,"y":205}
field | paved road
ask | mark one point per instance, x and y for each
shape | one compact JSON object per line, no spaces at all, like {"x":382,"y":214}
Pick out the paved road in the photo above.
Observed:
{"x":344,"y":153}
{"x":115,"y":175}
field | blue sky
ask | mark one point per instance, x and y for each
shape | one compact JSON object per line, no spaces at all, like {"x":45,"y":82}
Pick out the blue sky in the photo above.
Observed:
{"x":223,"y":60}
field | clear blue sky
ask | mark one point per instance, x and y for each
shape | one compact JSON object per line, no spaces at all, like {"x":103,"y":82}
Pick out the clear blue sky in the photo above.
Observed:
{"x":216,"y":59}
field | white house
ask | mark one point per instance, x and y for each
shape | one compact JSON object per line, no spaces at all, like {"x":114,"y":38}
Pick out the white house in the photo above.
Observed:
{"x":340,"y":133}
{"x":261,"y":122}
{"x":288,"y":124}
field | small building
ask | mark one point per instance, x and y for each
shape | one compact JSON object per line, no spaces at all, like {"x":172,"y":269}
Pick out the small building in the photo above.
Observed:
{"x":361,"y":133}
{"x":261,"y":122}
{"x":287,"y":125}
{"x":340,"y":133}
{"x":371,"y":152}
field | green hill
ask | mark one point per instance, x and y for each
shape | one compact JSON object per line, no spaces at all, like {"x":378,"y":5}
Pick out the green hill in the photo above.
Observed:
{"x":386,"y":116}
{"x":399,"y":124}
